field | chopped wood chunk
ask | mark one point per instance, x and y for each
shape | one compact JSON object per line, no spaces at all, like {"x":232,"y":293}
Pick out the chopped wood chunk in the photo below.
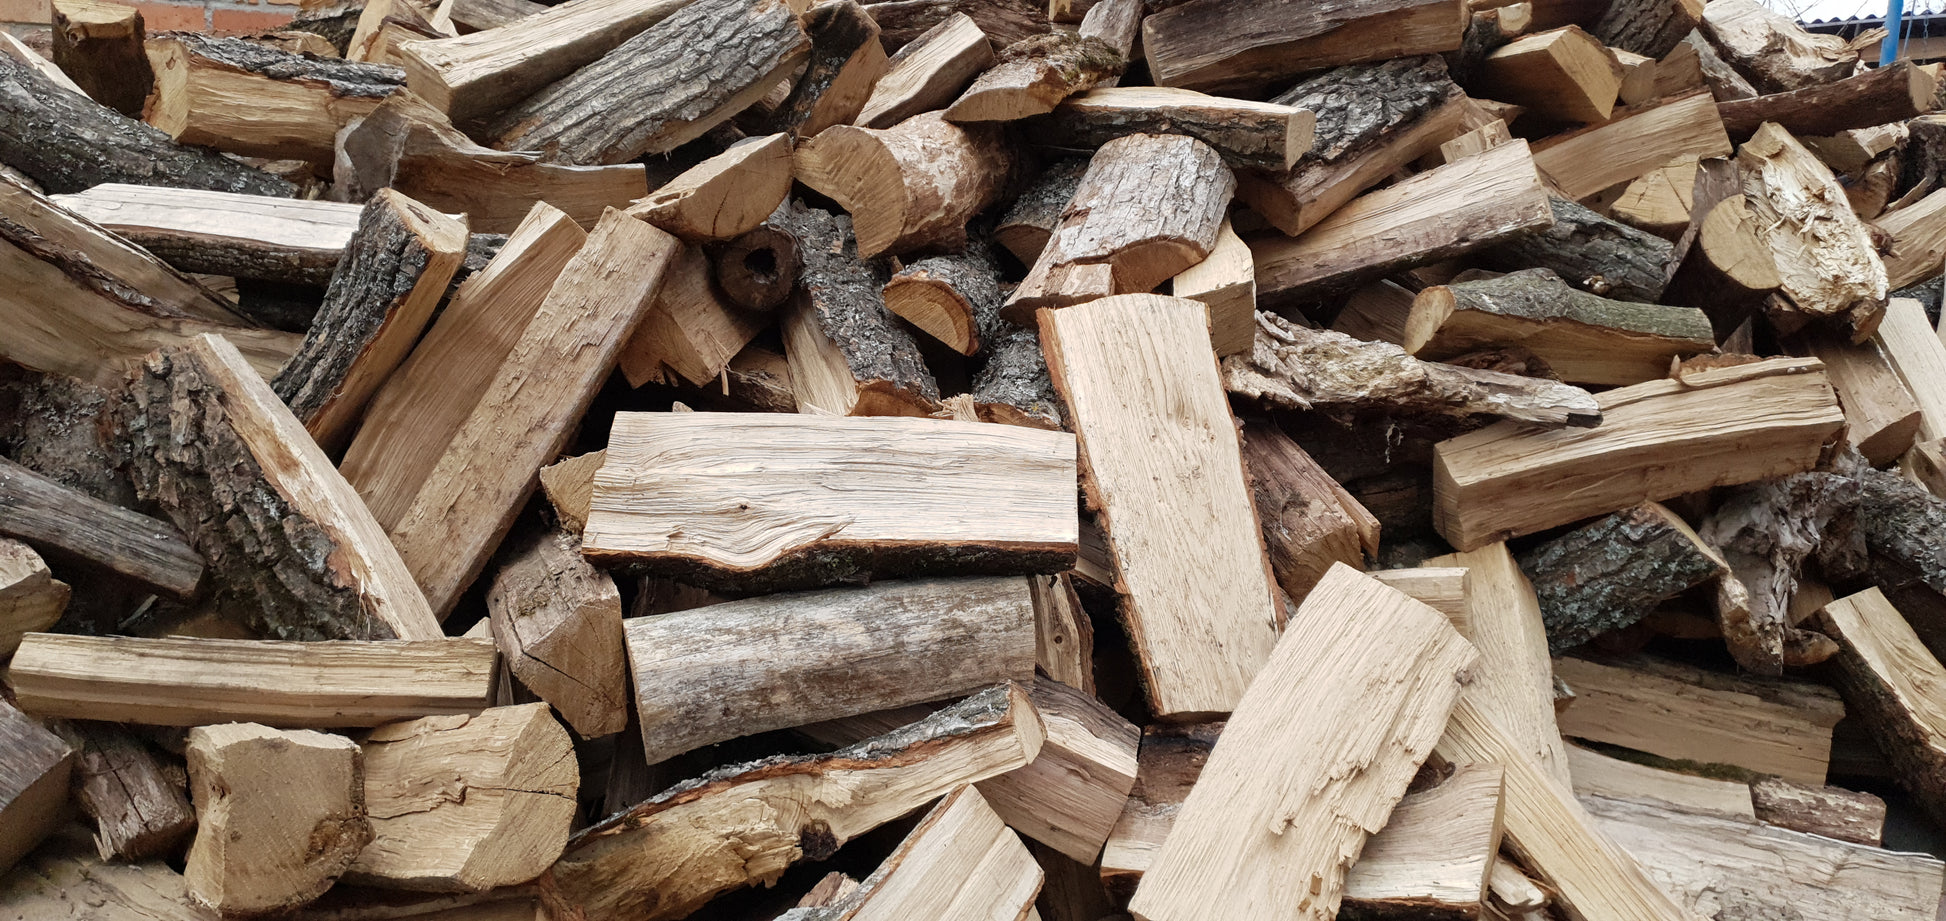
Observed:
{"x":31,"y":599}
{"x":692,"y":331}
{"x":1562,"y":73}
{"x":1309,"y":521}
{"x":1650,"y":27}
{"x":1032,"y":76}
{"x":33,"y":784}
{"x":1072,"y":794}
{"x":1609,"y":574}
{"x":1832,"y":812}
{"x":99,"y":44}
{"x":1830,"y":271}
{"x":1243,"y":132}
{"x":846,"y":62}
{"x":1881,"y":416}
{"x":1918,"y":241}
{"x":1778,"y":54}
{"x":1064,"y":637}
{"x":558,"y":623}
{"x":1214,"y":45}
{"x":928,"y":73}
{"x":139,"y":811}
{"x":1879,"y":96}
{"x":912,"y":186}
{"x":1582,"y":163}
{"x":1592,"y":253}
{"x":1030,"y":221}
{"x":1597,"y":774}
{"x":725,"y":196}
{"x":1005,"y":21}
{"x":1765,"y":531}
{"x":1886,"y":676}
{"x":248,"y":99}
{"x":954,"y":299}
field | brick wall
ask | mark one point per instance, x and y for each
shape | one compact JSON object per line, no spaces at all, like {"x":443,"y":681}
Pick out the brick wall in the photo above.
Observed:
{"x":22,"y":17}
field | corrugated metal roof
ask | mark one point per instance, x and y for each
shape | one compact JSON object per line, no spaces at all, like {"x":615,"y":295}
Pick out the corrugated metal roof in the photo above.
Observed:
{"x":1827,"y":11}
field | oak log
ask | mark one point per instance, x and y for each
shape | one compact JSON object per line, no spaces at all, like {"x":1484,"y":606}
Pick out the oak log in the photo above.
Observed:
{"x":224,"y":233}
{"x":1831,"y":272}
{"x":1309,"y":522}
{"x":1612,"y":573}
{"x":1004,"y":21}
{"x":248,"y":99}
{"x":1648,"y":27}
{"x":928,"y":73}
{"x":99,"y":44}
{"x":31,"y":599}
{"x":558,"y":624}
{"x":138,"y":811}
{"x":34,"y":784}
{"x":724,"y":196}
{"x":1033,"y":75}
{"x":1584,"y":162}
{"x":1029,"y":222}
{"x":1776,"y":53}
{"x":1244,"y":132}
{"x":41,"y":511}
{"x":1882,"y":417}
{"x":1212,"y":45}
{"x":912,"y":186}
{"x":1918,"y":241}
{"x":1562,"y":73}
{"x":1014,"y":387}
{"x":955,"y":299}
{"x":1592,"y":253}
{"x":1226,"y":281}
{"x":1876,"y":97}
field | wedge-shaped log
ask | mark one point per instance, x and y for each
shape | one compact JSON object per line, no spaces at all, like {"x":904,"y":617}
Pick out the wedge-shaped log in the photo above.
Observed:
{"x":474,"y":76}
{"x":1438,"y":214}
{"x":280,"y":814}
{"x":1070,"y":797}
{"x":928,"y":73}
{"x":393,"y":274}
{"x":1918,"y":241}
{"x":249,"y":99}
{"x":1765,"y":531}
{"x":1162,"y":461}
{"x":1562,"y":73}
{"x":1886,"y":676}
{"x":903,"y":642}
{"x":1660,"y":201}
{"x":1773,"y":50}
{"x":138,"y":811}
{"x":846,"y":62}
{"x":1212,"y":45}
{"x":91,"y":305}
{"x":150,"y":552}
{"x":1882,"y":418}
{"x":1765,"y":725}
{"x":539,"y":392}
{"x":665,"y":499}
{"x":31,"y":599}
{"x":1030,"y":221}
{"x":1371,"y":120}
{"x":679,"y":78}
{"x":1612,"y":573}
{"x":1592,"y":253}
{"x":291,"y":550}
{"x":1033,"y":75}
{"x":1584,"y":162}
{"x":911,"y":186}
{"x":745,"y":824}
{"x":724,"y":196}
{"x":1718,"y":867}
{"x":223,"y":233}
{"x":962,"y":863}
{"x":558,"y":623}
{"x":1735,"y":425}
{"x":1309,"y":521}
{"x":1585,"y":338}
{"x":1883,"y":95}
{"x":33,"y":785}
{"x":1596,"y":774}
{"x":1064,"y":636}
{"x":99,"y":44}
{"x":1226,"y":281}
{"x":1246,"y":133}
{"x":1831,"y":273}
{"x":195,"y":682}
{"x":498,"y":814}
{"x":1297,"y":368}
{"x":692,"y":331}
{"x":1351,"y":630}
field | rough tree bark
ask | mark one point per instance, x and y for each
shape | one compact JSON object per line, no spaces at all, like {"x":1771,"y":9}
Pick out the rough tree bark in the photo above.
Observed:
{"x":1612,"y":573}
{"x":1592,"y":253}
{"x":1765,"y":531}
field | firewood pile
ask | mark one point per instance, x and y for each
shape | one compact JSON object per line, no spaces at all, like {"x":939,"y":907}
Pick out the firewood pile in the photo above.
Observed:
{"x":1210,"y":460}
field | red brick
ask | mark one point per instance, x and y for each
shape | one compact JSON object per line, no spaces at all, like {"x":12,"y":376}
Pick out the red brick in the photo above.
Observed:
{"x":170,"y":17}
{"x":237,"y":21}
{"x":39,"y":11}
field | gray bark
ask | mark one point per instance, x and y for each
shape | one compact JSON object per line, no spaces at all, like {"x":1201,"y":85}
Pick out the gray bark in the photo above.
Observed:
{"x":1612,"y":573}
{"x":1591,"y":252}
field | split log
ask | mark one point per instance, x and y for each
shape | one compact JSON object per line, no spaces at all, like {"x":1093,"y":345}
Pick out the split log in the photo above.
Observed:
{"x":1832,"y":812}
{"x":1765,"y":531}
{"x":1071,"y":795}
{"x":138,"y":812}
{"x":1439,"y":214}
{"x":1884,"y":672}
{"x":1149,"y":207}
{"x":1726,"y":269}
{"x":1609,"y":574}
{"x":909,"y":187}
{"x":1296,"y":368}
{"x":247,"y":99}
{"x":407,"y":146}
{"x":928,"y":73}
{"x":691,"y":332}
{"x":1650,"y":27}
{"x":91,"y":305}
{"x":1004,"y":21}
{"x":1147,"y":408}
{"x":1918,"y":241}
{"x":1890,"y":541}
{"x":1600,"y":775}
{"x":666,"y":501}
{"x":279,"y":814}
{"x":1701,"y":69}
{"x":1309,"y":522}
{"x":99,"y":44}
{"x":1226,"y":282}
{"x":478,"y":75}
{"x":1064,"y":637}
{"x":1562,"y":73}
{"x":222,"y":233}
{"x":292,"y":551}
{"x":1879,"y":96}
{"x":1375,"y":313}
{"x":1736,"y":425}
{"x":497,"y":815}
{"x":384,"y":25}
{"x":40,"y":63}
{"x":1030,"y":221}
{"x":1660,"y":202}
{"x":1364,"y":630}
{"x":1718,"y":867}
{"x":961,"y":863}
{"x":847,"y":354}
{"x":471,"y":16}
{"x":384,"y":291}
{"x":558,"y":624}
{"x":415,"y":415}
{"x":1032,"y":76}
{"x":66,"y":142}
{"x":846,"y":62}
{"x":1442,"y":588}
{"x":1372,"y":120}
{"x":196,"y":682}
{"x":954,"y":299}
{"x":745,"y":824}
{"x":758,"y":270}
{"x":31,"y":599}
{"x":1245,"y":133}
{"x":1830,"y":271}
{"x":1487,"y":31}
{"x":1591,"y":252}
{"x":53,"y":517}
{"x":1676,"y":711}
{"x":1882,"y":419}
{"x":1776,"y":53}
{"x":1212,"y":45}
{"x":34,"y":785}
{"x":725,"y":196}
{"x":1920,"y":360}
{"x":569,"y":485}
{"x":1638,"y":77}
{"x":539,"y":392}
{"x":1585,"y":338}
{"x":1014,"y":387}
{"x":679,"y":78}
{"x":1582,"y":163}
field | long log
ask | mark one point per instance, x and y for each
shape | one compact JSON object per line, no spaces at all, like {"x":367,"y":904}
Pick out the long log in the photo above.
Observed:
{"x":248,"y":99}
{"x":1032,"y":76}
{"x":912,"y":186}
{"x":1609,"y":574}
{"x":1245,"y":133}
{"x":1878,"y":96}
{"x":49,"y":515}
{"x":1591,"y":252}
{"x":1212,"y":45}
{"x":223,"y":233}
{"x":1584,"y":162}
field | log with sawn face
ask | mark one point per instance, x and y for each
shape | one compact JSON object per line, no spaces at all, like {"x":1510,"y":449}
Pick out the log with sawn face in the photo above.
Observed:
{"x":99,"y":44}
{"x":912,"y":186}
{"x":928,"y":72}
{"x":255,"y":101}
{"x":1830,"y":270}
{"x":765,"y":502}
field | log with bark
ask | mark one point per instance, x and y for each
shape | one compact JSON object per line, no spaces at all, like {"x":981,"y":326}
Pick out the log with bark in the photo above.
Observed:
{"x":1013,"y":387}
{"x":1776,"y":53}
{"x":1648,"y":27}
{"x":1609,"y":574}
{"x":99,"y":45}
{"x":244,"y":98}
{"x":1591,"y":252}
{"x":1833,"y":812}
{"x":1309,"y":522}
{"x":223,"y":233}
{"x":955,"y":299}
{"x":1212,"y":45}
{"x":1765,"y":531}
{"x":1032,"y":76}
{"x":1890,"y":540}
{"x":910,"y":187}
{"x":1892,"y":93}
{"x":1831,"y":272}
{"x":928,"y":73}
{"x":57,"y":518}
{"x":1072,"y":794}
{"x":138,"y":811}
{"x":846,"y":62}
{"x":692,"y":331}
{"x":558,"y":624}
{"x":1003,"y":21}
{"x":1246,"y":133}
{"x":1029,"y":222}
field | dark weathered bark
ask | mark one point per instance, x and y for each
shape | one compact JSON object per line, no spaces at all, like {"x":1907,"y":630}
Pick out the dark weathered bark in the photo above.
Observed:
{"x":955,"y":299}
{"x":336,"y":22}
{"x":1296,"y":368}
{"x":1878,"y":96}
{"x":46,"y":514}
{"x":1217,"y":46}
{"x":1894,"y":539}
{"x":67,"y":143}
{"x":846,"y":304}
{"x":680,"y":78}
{"x":1650,"y":27}
{"x":1484,"y":36}
{"x":288,"y":307}
{"x":1591,"y":252}
{"x":99,"y":46}
{"x":341,"y":78}
{"x":1612,"y":573}
{"x":1307,"y":528}
{"x":846,"y":58}
{"x":1013,"y":387}
{"x":758,"y":270}
{"x":1004,"y":21}
{"x":1923,"y":160}
{"x":138,"y":811}
{"x":1031,"y":219}
{"x":1245,"y":133}
{"x":1033,"y":75}
{"x":1765,"y":531}
{"x":1833,"y":812}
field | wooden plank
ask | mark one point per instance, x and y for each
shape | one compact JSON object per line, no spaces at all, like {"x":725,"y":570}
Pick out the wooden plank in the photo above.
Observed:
{"x":1584,"y":162}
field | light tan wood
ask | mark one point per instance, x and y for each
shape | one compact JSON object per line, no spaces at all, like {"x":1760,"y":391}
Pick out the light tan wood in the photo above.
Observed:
{"x":558,"y":624}
{"x":961,"y":863}
{"x":1659,"y":201}
{"x":193,"y":682}
{"x":1881,"y":417}
{"x":412,"y":420}
{"x":1246,"y":133}
{"x":1226,"y":281}
{"x":1479,"y":140}
{"x":1829,"y":270}
{"x":1915,"y":351}
{"x":725,"y":195}
{"x":1732,"y":425}
{"x":1638,"y":77}
{"x":569,"y":485}
{"x":1364,"y":666}
{"x":1778,"y":54}
{"x":1064,"y":637}
{"x":1165,"y":468}
{"x":1510,"y":890}
{"x":15,"y":48}
{"x":221,"y":93}
{"x":1376,"y":312}
{"x":1443,"y":588}
{"x":910,"y":186}
{"x":1072,"y":794}
{"x":1918,"y":240}
{"x":692,"y":331}
{"x":31,"y":599}
{"x":1002,"y":493}
{"x":280,"y":814}
{"x":290,"y":239}
{"x":1890,"y":682}
{"x":1596,"y":774}
{"x":1032,"y":76}
{"x":495,"y":814}
{"x":538,"y":394}
{"x":1563,"y":73}
{"x":928,"y":73}
{"x":33,"y":785}
{"x":1767,"y":726}
{"x":1585,"y":162}
{"x":1437,"y":849}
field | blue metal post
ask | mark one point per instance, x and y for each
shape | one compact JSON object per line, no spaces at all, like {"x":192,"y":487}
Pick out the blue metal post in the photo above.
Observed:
{"x":1888,"y":51}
